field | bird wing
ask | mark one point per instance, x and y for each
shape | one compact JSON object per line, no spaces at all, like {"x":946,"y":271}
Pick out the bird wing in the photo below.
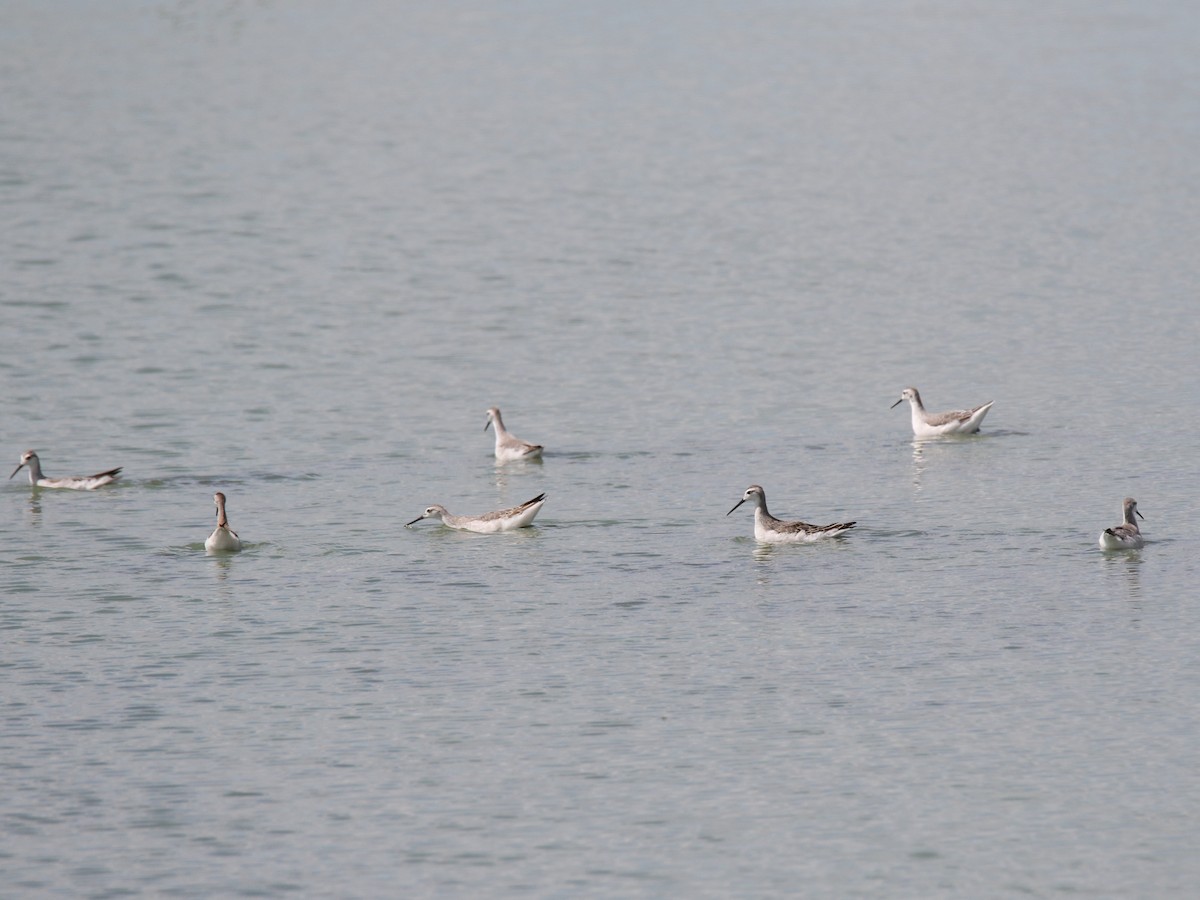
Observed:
{"x":516,"y":510}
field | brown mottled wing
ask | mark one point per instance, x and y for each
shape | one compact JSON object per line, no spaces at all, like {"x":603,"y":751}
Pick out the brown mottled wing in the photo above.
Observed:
{"x":957,"y":415}
{"x":508,"y":513}
{"x":805,"y":528}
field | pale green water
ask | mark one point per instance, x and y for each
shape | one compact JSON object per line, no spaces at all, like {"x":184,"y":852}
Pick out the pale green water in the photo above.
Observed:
{"x":293,"y":252}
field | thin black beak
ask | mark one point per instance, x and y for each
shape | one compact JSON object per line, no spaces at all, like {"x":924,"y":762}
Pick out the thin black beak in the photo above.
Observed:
{"x":897,"y":403}
{"x":16,"y":470}
{"x":413,"y":522}
{"x":1138,"y":511}
{"x":736,"y":505}
{"x":487,"y":424}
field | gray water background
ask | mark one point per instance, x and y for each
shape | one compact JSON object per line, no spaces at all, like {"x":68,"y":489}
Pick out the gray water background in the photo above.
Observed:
{"x":293,"y":251}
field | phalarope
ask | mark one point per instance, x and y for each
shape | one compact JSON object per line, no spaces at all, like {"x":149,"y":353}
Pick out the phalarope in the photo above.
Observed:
{"x":926,"y":424}
{"x":508,"y":445}
{"x":1127,"y":535}
{"x":769,"y":529}
{"x":500,"y":520}
{"x":74,"y":482}
{"x":223,"y":537}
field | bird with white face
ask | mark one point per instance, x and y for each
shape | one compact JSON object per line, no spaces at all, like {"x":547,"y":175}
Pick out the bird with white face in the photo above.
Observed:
{"x":508,"y":446}
{"x":771,"y":530}
{"x":30,"y":460}
{"x":927,"y":424}
{"x":487,"y":523}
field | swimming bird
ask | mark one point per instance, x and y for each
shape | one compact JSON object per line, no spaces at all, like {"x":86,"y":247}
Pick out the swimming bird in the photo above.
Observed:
{"x":508,"y":445}
{"x":223,"y":537}
{"x":500,"y":520}
{"x":74,"y":482}
{"x":1127,"y":535}
{"x":927,"y":424}
{"x":769,"y":529}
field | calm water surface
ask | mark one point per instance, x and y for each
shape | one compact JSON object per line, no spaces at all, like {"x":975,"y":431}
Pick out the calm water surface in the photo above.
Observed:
{"x":294,"y":251}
